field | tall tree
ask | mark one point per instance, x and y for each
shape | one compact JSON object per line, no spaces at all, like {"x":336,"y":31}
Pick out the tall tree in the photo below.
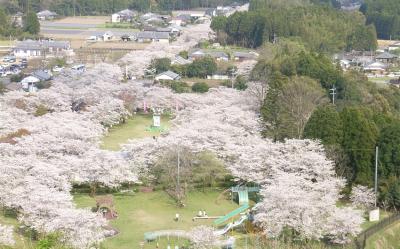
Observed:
{"x":325,"y":124}
{"x":31,"y":23}
{"x":359,"y":140}
{"x":389,"y":146}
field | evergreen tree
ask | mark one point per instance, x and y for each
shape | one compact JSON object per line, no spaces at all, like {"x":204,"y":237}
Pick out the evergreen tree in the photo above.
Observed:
{"x":325,"y":124}
{"x":31,"y":23}
{"x":389,"y":148}
{"x":359,"y":140}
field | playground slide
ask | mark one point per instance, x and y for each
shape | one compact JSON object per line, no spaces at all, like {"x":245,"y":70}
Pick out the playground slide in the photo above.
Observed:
{"x":231,"y":226}
{"x":235,"y":212}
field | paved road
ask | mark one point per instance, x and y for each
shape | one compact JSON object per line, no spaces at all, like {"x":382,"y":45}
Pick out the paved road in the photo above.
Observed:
{"x":68,"y":25}
{"x":84,"y":33}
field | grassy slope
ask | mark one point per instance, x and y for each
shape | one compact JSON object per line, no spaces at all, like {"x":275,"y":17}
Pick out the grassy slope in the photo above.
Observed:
{"x":144,"y":212}
{"x":386,"y":239}
{"x":132,"y":128}
{"x":21,"y":242}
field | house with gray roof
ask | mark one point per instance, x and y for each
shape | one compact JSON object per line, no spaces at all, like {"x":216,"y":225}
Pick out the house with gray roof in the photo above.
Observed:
{"x":386,"y":57}
{"x":46,"y":15}
{"x":33,"y":48}
{"x":168,"y":75}
{"x":153,"y":36}
{"x":126,"y":15}
{"x":180,"y":61}
{"x":42,"y":75}
{"x":219,"y":55}
{"x":243,"y":56}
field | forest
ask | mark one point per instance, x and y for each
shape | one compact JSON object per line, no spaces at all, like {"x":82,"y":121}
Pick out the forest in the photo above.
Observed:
{"x":385,"y":15}
{"x":106,"y":7}
{"x":319,"y":27}
{"x":299,"y":105}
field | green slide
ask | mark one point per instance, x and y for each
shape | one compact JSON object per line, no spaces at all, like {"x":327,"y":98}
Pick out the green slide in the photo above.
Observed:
{"x":235,"y":212}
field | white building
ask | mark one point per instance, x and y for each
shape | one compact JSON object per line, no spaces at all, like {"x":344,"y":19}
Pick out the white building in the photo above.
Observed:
{"x":31,"y":48}
{"x":376,"y":67}
{"x":150,"y":36}
{"x":46,"y":15}
{"x":123,"y":16}
{"x":29,"y":83}
{"x":168,"y":75}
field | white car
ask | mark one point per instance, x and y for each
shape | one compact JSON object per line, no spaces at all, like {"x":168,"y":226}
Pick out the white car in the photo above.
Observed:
{"x":6,"y":73}
{"x":57,"y":69}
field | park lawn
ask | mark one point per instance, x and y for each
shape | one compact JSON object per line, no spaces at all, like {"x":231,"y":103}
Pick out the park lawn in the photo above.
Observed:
{"x":134,"y":127}
{"x":20,"y":240}
{"x":388,"y":238}
{"x":144,"y":212}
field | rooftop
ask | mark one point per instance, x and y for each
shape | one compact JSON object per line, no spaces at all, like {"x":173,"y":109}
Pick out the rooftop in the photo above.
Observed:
{"x":152,"y":35}
{"x":170,"y":74}
{"x":32,"y":44}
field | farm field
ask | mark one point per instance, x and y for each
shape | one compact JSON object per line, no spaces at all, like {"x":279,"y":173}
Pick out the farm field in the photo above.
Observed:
{"x":134,"y":127}
{"x":144,"y":212}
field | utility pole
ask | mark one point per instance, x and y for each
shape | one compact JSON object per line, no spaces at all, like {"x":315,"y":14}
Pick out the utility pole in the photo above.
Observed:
{"x":178,"y":186}
{"x":333,"y":93}
{"x":376,"y":174}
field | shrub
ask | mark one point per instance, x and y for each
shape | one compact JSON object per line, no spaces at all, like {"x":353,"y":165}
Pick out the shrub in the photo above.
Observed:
{"x":200,"y":87}
{"x":41,"y":110}
{"x":240,"y":83}
{"x":17,"y":77}
{"x":176,"y":86}
{"x":43,"y":84}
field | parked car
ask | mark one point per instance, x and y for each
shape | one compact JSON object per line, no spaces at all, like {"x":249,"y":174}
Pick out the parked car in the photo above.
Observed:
{"x":57,"y":69}
{"x":79,"y":68}
{"x":6,"y":73}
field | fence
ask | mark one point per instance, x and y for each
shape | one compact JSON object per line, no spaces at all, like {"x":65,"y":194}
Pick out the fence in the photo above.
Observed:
{"x":361,"y":240}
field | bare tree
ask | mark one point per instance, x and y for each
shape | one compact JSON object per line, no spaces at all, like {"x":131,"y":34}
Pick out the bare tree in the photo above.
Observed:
{"x":300,"y":96}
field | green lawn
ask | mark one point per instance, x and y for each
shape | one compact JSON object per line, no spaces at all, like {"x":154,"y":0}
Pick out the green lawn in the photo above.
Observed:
{"x":21,"y":241}
{"x":385,"y":239}
{"x":134,"y":127}
{"x":7,"y":43}
{"x":144,"y":212}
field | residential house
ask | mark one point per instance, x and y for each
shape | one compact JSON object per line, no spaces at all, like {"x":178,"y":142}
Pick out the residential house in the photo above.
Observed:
{"x":180,"y":61}
{"x":17,"y":19}
{"x":394,"y":46}
{"x":123,"y":16}
{"x":152,"y":36}
{"x":42,"y":75}
{"x":33,"y":48}
{"x":46,"y":15}
{"x":185,"y":19}
{"x":219,"y":56}
{"x":386,"y":57}
{"x":176,"y":21}
{"x":345,"y":64}
{"x":196,"y":54}
{"x":168,"y":75}
{"x":211,"y":12}
{"x":244,"y":56}
{"x":376,"y":67}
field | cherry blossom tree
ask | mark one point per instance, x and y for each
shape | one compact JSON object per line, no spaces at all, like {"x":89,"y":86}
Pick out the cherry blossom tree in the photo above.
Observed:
{"x":6,"y":235}
{"x":203,"y":237}
{"x":362,"y":197}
